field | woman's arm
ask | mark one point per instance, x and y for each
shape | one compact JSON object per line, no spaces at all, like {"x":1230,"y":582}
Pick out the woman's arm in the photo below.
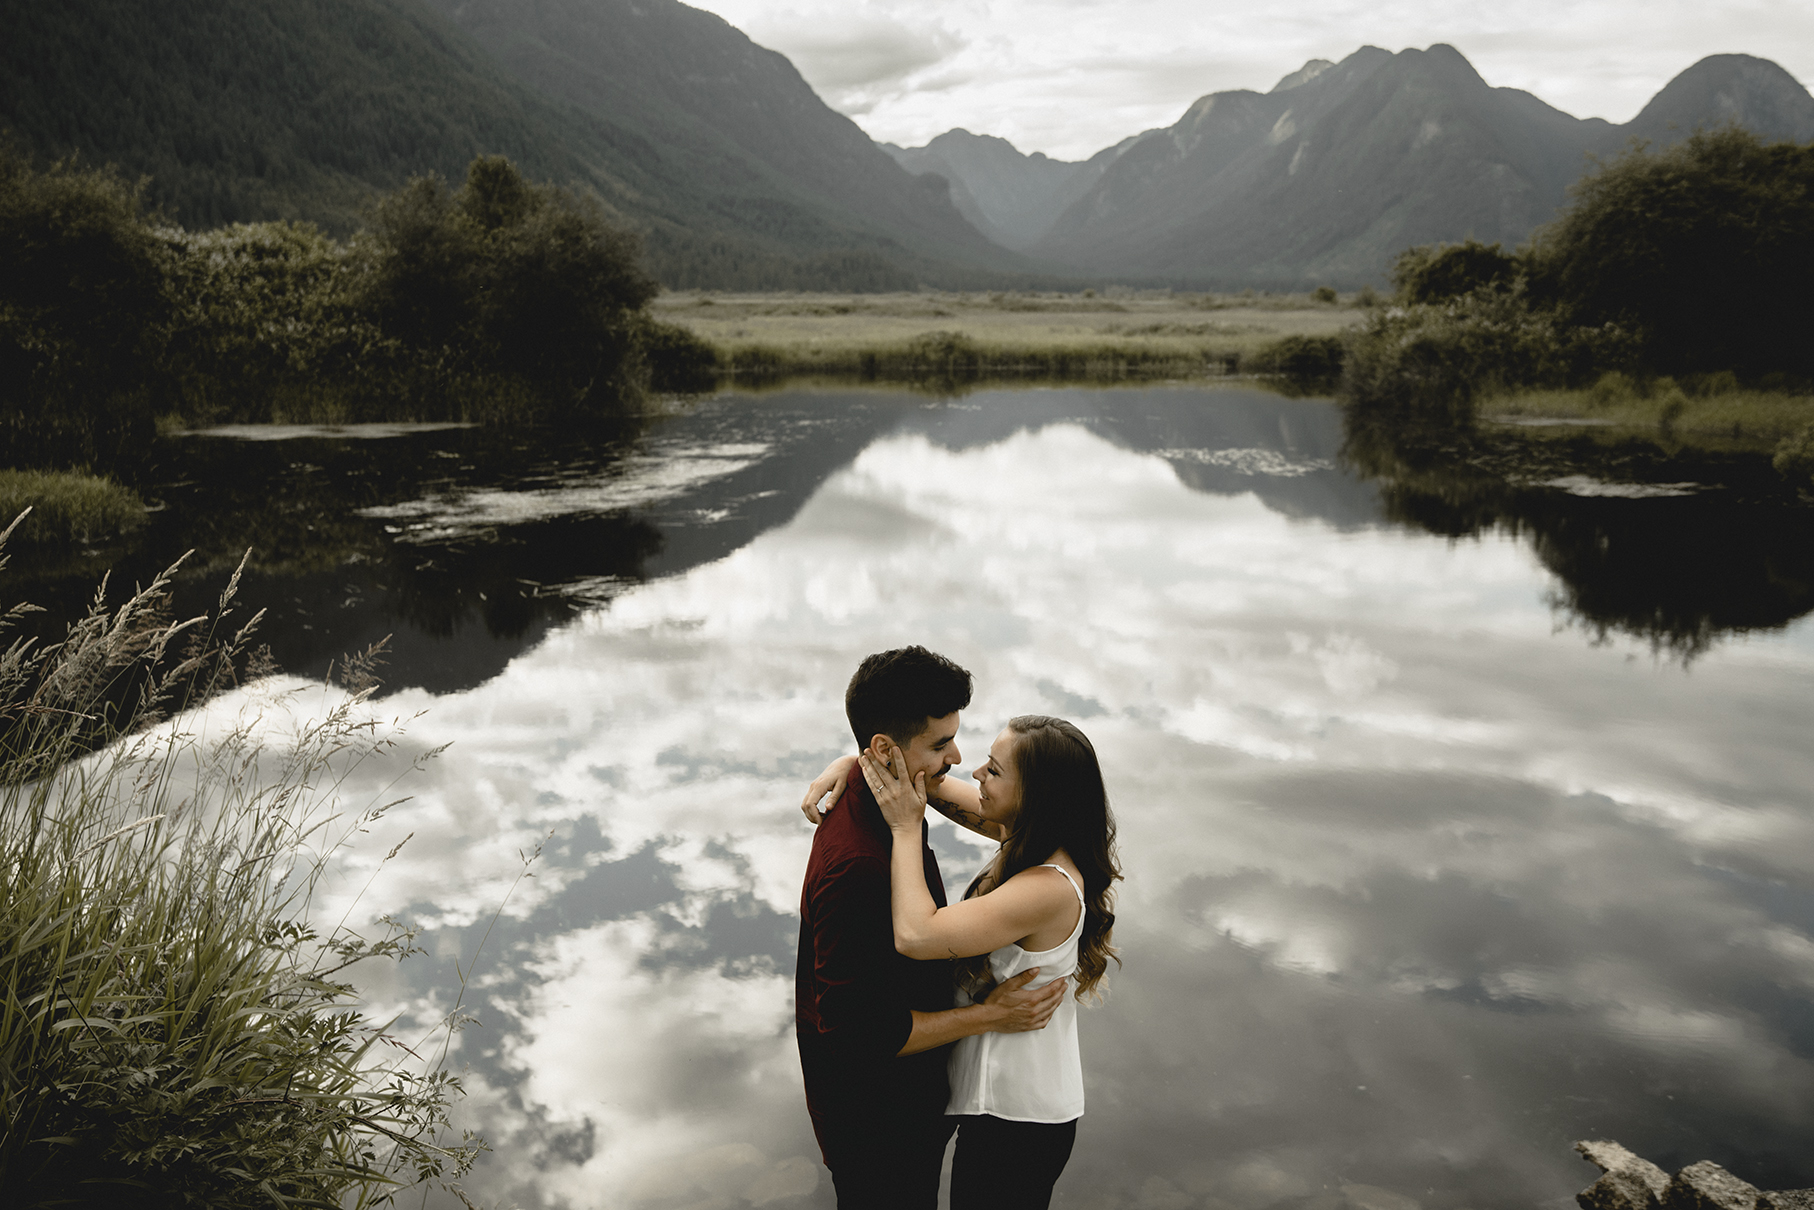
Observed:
{"x":829,"y":782}
{"x":958,"y":802}
{"x":922,"y":929}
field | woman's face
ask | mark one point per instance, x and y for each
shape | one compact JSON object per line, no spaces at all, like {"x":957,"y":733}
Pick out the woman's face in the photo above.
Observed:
{"x":998,"y":782}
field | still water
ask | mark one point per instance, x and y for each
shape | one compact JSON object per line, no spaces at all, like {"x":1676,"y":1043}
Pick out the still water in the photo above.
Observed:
{"x":1433,"y":865}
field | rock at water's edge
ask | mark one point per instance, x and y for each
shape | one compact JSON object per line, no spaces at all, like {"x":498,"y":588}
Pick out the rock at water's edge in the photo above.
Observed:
{"x":1630,"y":1183}
{"x":1786,"y":1199}
{"x":1707,"y":1186}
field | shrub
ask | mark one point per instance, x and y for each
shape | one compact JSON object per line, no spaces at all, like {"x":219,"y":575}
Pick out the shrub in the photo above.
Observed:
{"x":1301,"y":358}
{"x":171,"y":1033}
{"x":1324,"y":294}
{"x":1794,"y":458}
{"x":1706,"y":249}
{"x":1433,"y":273}
{"x":943,"y":353}
{"x":258,"y":306}
{"x":82,"y":305}
{"x":675,"y":358}
{"x":67,"y":508}
{"x":508,"y":277}
{"x":1440,"y":357}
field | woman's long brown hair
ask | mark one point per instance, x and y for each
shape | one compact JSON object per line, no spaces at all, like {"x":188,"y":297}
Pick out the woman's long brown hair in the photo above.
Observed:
{"x":1063,"y":805}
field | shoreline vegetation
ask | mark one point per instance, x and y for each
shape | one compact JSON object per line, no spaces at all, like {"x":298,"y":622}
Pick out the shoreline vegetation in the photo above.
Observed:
{"x":1668,"y":305}
{"x":174,"y":1030}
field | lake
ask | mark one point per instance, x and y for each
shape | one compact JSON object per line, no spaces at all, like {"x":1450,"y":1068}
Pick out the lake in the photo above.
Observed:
{"x":1462,"y":818}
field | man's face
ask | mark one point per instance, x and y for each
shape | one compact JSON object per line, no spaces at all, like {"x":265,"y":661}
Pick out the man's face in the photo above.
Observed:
{"x":933,"y":750}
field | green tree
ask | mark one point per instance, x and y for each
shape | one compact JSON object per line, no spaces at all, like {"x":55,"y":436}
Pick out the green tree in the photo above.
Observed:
{"x":1706,"y":248}
{"x":507,"y":277}
{"x":82,"y":306}
{"x":1430,"y":273}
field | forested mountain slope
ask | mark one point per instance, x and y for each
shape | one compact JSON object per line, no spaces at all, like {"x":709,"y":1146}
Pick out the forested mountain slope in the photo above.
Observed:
{"x":731,"y":116}
{"x":736,"y":174}
{"x":253,"y":109}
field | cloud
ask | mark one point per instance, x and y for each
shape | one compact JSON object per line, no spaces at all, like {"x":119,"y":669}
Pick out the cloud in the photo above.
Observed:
{"x":854,"y":55}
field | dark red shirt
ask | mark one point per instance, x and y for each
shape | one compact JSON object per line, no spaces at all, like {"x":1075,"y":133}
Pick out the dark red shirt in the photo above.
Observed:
{"x":854,"y":995}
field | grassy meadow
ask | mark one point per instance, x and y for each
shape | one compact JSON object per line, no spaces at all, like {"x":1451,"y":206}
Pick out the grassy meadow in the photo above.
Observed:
{"x":1114,"y":334}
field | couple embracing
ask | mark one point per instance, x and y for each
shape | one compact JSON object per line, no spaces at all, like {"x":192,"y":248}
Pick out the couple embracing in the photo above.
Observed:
{"x":915,"y":1018}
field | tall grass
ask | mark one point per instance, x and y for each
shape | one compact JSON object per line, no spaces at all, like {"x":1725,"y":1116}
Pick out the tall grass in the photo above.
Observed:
{"x":67,"y":508}
{"x":1709,"y":411}
{"x":172,"y":1030}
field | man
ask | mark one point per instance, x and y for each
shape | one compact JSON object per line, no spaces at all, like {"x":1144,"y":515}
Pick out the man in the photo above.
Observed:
{"x":873,"y":1026}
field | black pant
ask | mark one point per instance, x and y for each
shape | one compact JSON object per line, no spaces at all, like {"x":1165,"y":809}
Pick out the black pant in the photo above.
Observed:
{"x":896,"y":1168}
{"x":1003,"y":1165}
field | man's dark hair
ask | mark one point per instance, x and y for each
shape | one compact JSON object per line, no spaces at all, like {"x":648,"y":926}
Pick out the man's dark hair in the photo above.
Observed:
{"x":893,"y":693}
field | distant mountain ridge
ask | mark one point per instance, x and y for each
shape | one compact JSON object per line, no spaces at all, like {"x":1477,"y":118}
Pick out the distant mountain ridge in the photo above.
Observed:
{"x":1012,"y":198}
{"x":1325,"y":178}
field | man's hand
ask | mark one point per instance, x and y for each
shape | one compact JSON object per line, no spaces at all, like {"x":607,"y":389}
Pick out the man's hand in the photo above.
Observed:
{"x":1025,"y":1010}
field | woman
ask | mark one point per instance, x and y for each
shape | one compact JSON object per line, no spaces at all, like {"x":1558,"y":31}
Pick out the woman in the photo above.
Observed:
{"x":1043,"y":901}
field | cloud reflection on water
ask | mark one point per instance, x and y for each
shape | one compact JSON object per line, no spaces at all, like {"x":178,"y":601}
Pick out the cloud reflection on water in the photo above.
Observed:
{"x":1419,"y":890}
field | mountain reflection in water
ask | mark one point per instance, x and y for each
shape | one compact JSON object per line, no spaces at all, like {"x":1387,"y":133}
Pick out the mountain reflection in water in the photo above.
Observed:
{"x":1419,"y":889}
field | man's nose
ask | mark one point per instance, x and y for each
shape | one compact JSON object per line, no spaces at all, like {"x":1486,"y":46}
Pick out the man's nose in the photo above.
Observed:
{"x":953,"y":758}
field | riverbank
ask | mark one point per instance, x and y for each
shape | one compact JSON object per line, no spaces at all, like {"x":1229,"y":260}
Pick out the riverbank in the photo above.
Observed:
{"x":1711,"y":415}
{"x":1151,"y":334}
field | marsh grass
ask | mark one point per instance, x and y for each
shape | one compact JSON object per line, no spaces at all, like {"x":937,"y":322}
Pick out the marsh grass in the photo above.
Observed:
{"x":1122,"y":334}
{"x":67,"y":508}
{"x":1711,"y":412}
{"x":172,"y":1030}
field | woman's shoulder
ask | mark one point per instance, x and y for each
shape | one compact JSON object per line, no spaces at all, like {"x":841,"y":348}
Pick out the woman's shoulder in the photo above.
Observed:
{"x":1057,"y":872}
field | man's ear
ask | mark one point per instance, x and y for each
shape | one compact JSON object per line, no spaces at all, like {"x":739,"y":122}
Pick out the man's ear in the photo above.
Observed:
{"x":882,"y":746}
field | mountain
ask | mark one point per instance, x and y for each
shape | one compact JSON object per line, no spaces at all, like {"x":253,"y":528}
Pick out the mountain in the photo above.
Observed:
{"x":1324,"y":179}
{"x":735,"y":121}
{"x":1755,"y":93}
{"x":1012,"y":198}
{"x":239,"y":110}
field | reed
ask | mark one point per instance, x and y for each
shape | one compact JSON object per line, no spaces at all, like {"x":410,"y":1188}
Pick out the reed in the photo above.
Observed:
{"x":173,"y":1031}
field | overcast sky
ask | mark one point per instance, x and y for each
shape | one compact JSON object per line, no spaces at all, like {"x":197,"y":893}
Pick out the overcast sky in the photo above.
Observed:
{"x":1069,"y":77}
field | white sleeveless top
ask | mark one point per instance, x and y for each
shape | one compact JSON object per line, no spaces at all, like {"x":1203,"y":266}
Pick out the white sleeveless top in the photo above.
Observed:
{"x":1035,"y":1076}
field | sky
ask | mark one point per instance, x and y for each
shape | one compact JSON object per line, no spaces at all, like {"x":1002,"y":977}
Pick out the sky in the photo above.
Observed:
{"x":1070,"y":77}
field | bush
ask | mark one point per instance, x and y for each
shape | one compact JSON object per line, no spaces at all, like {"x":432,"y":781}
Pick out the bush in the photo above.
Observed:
{"x":1794,"y":458}
{"x":1705,"y":249}
{"x":1433,"y":273}
{"x":258,"y":307}
{"x":1439,"y":358}
{"x":82,"y":305}
{"x":1301,"y":358}
{"x":1324,"y":294}
{"x":66,"y":508}
{"x":507,"y":277}
{"x":171,"y":1032}
{"x":951,"y":354}
{"x":675,"y":358}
